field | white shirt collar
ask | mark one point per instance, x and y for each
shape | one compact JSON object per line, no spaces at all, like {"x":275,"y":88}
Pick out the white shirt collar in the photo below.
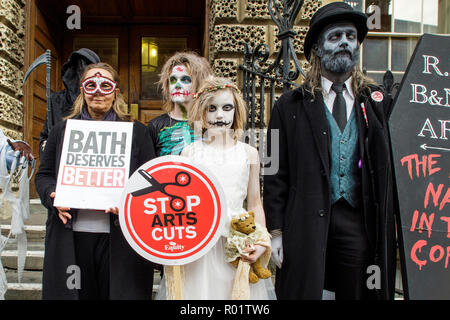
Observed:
{"x":326,"y":86}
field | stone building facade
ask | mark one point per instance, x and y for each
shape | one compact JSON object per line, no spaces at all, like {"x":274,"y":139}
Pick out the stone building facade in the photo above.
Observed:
{"x":233,"y":22}
{"x":12,"y":53}
{"x":229,"y":23}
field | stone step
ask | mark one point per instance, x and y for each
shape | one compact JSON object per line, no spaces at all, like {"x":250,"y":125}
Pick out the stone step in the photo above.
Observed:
{"x":31,"y":288}
{"x":33,"y":291}
{"x":38,"y":213}
{"x":37,"y":207}
{"x":24,"y":291}
{"x":32,"y":245}
{"x":33,"y":261}
{"x":35,"y":276}
{"x":33,"y":231}
{"x":28,"y":276}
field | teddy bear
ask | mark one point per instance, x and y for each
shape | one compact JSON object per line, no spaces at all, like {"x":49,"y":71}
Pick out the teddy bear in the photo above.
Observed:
{"x":244,"y":232}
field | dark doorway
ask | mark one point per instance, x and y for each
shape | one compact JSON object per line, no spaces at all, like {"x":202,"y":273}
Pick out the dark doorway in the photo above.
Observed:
{"x":134,"y":36}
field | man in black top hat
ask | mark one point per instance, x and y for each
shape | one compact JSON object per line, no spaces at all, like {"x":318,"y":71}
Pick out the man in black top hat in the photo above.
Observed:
{"x":330,"y":207}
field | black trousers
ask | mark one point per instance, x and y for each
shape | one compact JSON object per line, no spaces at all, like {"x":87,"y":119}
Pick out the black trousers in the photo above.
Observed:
{"x":347,"y":256}
{"x":92,"y":256}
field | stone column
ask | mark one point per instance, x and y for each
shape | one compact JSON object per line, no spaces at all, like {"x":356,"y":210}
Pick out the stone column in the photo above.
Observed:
{"x":12,"y":52}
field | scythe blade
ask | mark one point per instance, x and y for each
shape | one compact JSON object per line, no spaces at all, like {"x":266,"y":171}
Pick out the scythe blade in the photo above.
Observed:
{"x":45,"y":58}
{"x":42,"y":59}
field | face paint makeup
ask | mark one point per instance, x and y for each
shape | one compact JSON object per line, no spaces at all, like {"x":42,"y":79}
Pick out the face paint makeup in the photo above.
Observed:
{"x":99,"y":103}
{"x":180,"y":84}
{"x":338,"y":48}
{"x":220,"y":111}
{"x":98,"y":84}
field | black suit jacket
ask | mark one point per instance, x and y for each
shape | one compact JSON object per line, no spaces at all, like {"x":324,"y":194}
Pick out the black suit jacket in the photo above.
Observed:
{"x":297,"y":200}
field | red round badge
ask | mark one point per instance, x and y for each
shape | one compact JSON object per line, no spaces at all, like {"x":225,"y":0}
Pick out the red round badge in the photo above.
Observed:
{"x":377,"y":96}
{"x":172,"y":210}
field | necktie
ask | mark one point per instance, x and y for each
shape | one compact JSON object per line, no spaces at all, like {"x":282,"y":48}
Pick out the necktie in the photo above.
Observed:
{"x":339,"y":106}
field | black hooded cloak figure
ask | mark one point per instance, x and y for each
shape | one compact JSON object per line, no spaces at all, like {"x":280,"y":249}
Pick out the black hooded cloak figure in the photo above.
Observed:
{"x":61,"y":102}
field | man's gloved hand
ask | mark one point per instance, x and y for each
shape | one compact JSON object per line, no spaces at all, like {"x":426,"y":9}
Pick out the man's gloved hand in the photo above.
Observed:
{"x":277,"y":250}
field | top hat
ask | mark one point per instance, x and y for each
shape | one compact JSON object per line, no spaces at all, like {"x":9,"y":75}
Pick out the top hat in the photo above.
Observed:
{"x":333,"y":13}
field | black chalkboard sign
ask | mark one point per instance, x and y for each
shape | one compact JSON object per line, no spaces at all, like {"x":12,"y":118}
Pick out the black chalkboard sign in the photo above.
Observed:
{"x":420,"y":133}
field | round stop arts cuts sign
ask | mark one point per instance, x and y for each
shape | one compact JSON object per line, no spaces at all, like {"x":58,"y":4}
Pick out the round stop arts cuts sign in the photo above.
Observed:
{"x":172,"y":210}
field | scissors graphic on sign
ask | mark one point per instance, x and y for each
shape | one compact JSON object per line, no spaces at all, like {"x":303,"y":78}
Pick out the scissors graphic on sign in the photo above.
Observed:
{"x":182,"y":179}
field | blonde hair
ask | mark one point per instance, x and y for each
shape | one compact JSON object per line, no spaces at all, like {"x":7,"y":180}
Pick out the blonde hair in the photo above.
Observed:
{"x":119,"y":105}
{"x":197,"y":67}
{"x":360,"y":82}
{"x":208,"y":89}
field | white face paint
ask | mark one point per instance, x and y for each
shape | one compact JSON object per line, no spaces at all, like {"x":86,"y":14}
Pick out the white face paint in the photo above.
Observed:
{"x":340,"y":38}
{"x":338,"y":47}
{"x":220,"y":111}
{"x":180,"y":84}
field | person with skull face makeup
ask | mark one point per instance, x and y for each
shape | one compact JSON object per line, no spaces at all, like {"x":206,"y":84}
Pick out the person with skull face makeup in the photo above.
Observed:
{"x":179,"y":79}
{"x":219,"y":113}
{"x":330,"y":206}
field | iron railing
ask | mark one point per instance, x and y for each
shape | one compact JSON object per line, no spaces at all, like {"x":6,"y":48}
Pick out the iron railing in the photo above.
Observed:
{"x":262,"y":77}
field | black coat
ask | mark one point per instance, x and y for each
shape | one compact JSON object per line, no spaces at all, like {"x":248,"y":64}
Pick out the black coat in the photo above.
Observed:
{"x":297,"y":200}
{"x":131,"y":276}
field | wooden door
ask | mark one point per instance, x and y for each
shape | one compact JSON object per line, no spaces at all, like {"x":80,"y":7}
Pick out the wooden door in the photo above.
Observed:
{"x":40,"y":37}
{"x":150,"y":46}
{"x":123,"y":25}
{"x":123,"y":47}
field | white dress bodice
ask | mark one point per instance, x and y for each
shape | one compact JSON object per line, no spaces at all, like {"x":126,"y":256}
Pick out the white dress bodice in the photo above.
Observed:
{"x":231,"y":166}
{"x":211,"y":277}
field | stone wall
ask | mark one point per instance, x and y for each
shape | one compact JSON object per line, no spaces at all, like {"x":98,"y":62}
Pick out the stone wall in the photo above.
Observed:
{"x":233,"y":22}
{"x":12,"y":51}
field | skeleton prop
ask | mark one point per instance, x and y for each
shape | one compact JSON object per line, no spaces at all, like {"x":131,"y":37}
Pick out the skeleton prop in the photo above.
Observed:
{"x":19,"y":205}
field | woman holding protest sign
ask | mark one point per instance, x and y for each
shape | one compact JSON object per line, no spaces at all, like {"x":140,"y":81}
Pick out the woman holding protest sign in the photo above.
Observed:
{"x":220,"y":111}
{"x":86,"y":256}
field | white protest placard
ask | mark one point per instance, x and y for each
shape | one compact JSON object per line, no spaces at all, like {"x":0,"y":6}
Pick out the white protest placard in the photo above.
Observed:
{"x":94,"y":165}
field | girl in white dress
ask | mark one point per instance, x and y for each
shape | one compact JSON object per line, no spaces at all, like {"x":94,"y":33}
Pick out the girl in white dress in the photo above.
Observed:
{"x":220,"y":111}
